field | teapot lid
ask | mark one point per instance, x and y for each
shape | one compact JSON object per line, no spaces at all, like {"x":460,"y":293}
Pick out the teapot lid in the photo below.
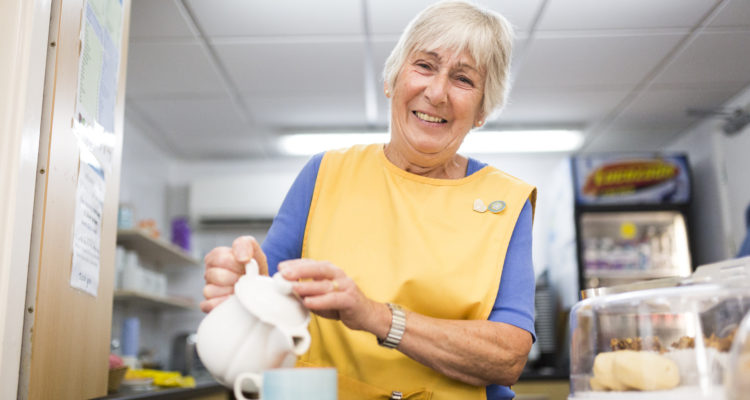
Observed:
{"x":270,"y":299}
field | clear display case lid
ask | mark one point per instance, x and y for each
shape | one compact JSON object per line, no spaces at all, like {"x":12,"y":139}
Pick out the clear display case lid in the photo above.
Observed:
{"x":668,"y":340}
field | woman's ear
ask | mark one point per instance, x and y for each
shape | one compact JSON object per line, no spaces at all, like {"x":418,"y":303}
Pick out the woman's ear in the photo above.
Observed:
{"x":386,"y":90}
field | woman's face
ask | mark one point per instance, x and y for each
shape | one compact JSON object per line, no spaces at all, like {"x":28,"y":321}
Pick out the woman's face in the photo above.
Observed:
{"x":437,"y":99}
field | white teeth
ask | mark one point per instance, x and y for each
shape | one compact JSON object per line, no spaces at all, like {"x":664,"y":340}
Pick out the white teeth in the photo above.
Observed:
{"x":427,"y":117}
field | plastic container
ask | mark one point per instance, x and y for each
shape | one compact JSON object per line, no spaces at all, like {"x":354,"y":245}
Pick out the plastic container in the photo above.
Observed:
{"x":661,"y":343}
{"x":738,"y":376}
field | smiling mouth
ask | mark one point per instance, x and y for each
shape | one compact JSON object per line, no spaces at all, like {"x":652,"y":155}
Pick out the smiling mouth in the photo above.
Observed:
{"x":428,"y":118}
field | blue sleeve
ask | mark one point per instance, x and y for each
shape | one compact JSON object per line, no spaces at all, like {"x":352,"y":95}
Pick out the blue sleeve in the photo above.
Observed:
{"x":514,"y":304}
{"x":284,"y":238}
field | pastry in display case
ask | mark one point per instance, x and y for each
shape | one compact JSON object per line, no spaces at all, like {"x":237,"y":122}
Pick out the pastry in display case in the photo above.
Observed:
{"x":669,"y":342}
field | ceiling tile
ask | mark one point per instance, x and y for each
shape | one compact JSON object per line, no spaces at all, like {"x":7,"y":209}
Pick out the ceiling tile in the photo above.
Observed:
{"x":295,"y":68}
{"x":626,"y":140}
{"x":657,"y":117}
{"x":658,"y":106}
{"x":520,"y":14}
{"x":557,"y":106}
{"x":713,"y":57}
{"x":278,"y":17}
{"x":591,"y":62}
{"x":385,"y":20}
{"x":735,"y":15}
{"x":623,"y":14}
{"x":169,"y":69}
{"x":308,"y":111}
{"x":192,"y":117}
{"x":299,"y":65}
{"x":156,"y":19}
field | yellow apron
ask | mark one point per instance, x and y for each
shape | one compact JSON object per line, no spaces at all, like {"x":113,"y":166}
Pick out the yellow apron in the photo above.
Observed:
{"x":410,"y":240}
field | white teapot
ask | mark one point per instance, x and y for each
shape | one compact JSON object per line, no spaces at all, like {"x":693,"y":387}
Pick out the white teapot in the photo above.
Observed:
{"x":260,"y":327}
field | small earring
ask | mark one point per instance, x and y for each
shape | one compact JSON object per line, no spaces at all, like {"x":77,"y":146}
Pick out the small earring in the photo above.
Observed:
{"x":387,"y":93}
{"x":480,"y":123}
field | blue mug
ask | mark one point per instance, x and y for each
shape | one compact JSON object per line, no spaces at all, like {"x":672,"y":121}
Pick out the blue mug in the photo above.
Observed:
{"x":291,"y":384}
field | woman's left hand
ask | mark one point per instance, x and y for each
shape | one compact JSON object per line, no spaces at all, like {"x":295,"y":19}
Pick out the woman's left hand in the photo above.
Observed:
{"x":327,"y":291}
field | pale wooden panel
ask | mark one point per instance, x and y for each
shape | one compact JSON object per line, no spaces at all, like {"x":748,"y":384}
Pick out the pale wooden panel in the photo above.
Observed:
{"x":71,"y":329}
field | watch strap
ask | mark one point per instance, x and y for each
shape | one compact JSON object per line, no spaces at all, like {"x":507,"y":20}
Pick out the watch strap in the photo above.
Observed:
{"x":398,"y":327}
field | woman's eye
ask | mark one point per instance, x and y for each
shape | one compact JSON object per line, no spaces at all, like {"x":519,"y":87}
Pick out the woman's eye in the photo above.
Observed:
{"x":466,"y":80}
{"x":424,"y":66}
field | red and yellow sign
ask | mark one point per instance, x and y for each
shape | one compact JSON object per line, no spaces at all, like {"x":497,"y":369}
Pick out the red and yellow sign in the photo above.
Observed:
{"x":628,"y":176}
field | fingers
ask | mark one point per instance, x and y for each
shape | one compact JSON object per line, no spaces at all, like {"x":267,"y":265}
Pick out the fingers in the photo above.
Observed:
{"x":221,"y":276}
{"x":316,"y":288}
{"x":309,"y":269}
{"x":225,"y":266}
{"x":211,"y":291}
{"x":246,"y":247}
{"x":222,"y":257}
{"x":328,"y":301}
{"x":208,"y":305}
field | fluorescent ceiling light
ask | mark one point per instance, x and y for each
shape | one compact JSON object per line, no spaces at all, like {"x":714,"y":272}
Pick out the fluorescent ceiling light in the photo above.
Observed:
{"x":522,"y":141}
{"x":489,"y":141}
{"x":300,"y":144}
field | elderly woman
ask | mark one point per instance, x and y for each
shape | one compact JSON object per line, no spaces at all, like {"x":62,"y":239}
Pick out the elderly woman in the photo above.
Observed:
{"x":416,"y":288}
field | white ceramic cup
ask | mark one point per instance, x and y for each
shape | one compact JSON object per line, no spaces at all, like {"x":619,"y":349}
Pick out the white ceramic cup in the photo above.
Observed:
{"x":291,"y":384}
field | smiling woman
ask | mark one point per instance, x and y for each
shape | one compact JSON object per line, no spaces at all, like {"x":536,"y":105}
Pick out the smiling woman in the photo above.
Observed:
{"x":436,"y":102}
{"x":421,"y":296}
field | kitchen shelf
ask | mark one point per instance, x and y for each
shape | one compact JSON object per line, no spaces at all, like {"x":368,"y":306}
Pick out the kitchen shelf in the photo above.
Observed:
{"x":148,"y":300}
{"x":159,"y":251}
{"x":628,"y":274}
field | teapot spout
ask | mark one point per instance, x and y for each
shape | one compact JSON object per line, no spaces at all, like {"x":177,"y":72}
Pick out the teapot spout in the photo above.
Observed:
{"x":300,"y":340}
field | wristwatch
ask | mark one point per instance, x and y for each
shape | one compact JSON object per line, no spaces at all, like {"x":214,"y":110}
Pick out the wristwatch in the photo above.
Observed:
{"x":398,"y":326}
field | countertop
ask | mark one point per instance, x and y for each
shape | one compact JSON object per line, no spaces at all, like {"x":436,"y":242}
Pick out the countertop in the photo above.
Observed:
{"x":206,"y":388}
{"x":549,"y":374}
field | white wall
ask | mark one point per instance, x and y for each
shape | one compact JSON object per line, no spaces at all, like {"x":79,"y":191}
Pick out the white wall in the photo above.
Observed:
{"x":145,"y":186}
{"x":145,"y":177}
{"x":721,"y":191}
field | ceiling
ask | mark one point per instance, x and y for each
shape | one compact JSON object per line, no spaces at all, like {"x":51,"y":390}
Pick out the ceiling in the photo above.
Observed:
{"x":221,"y":79}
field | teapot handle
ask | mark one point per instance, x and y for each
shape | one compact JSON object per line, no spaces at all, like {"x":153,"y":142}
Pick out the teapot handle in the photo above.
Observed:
{"x":257,"y":380}
{"x":252,"y":268}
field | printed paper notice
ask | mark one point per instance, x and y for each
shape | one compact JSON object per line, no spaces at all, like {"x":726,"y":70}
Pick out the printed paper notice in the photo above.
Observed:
{"x":87,"y":227}
{"x":98,"y":73}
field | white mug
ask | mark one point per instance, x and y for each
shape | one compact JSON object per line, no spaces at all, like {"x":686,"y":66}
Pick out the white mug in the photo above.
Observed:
{"x":291,"y":384}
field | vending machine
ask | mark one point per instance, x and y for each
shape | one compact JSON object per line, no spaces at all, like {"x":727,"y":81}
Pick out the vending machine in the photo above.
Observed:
{"x":631,"y":217}
{"x":613,"y":219}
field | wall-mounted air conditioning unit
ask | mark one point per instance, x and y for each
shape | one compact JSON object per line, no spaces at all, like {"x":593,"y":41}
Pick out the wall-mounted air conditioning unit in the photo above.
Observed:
{"x":237,"y":200}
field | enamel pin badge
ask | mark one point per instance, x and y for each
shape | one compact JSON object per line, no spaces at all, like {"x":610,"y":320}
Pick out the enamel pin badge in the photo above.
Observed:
{"x":479,"y":206}
{"x":494,"y":207}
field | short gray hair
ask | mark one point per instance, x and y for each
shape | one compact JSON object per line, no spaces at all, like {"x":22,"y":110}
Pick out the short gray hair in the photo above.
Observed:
{"x":459,"y":26}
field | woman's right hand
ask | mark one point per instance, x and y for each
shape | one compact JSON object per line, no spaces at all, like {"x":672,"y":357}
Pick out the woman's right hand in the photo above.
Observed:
{"x":225,"y":266}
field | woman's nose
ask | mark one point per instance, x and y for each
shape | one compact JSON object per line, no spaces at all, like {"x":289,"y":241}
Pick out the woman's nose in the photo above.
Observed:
{"x":437,"y":90}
